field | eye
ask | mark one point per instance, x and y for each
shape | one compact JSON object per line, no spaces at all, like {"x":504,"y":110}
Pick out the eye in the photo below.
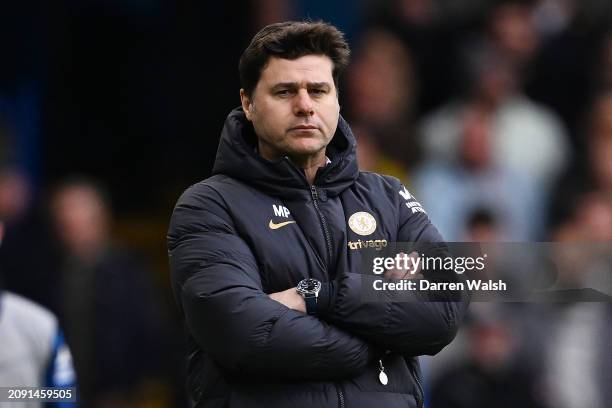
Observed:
{"x":283,"y":92}
{"x":317,"y":91}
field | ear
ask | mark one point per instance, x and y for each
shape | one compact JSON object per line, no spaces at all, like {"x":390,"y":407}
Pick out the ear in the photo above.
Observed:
{"x":247,"y":105}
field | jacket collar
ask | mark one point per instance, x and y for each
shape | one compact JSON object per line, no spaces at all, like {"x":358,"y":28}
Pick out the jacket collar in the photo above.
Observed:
{"x":236,"y":157}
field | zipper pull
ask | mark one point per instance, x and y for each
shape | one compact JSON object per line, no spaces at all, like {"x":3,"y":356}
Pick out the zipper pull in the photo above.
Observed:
{"x":315,"y":194}
{"x":382,"y":377}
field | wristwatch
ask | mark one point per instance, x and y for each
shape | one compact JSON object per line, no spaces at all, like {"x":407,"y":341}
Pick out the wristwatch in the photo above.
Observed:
{"x":309,"y":289}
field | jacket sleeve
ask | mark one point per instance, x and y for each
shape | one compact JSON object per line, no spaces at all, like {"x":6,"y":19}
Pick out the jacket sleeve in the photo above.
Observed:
{"x":405,"y":322}
{"x":217,"y":284}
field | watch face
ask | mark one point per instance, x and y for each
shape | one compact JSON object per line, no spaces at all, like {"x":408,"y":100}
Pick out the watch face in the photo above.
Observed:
{"x":308,"y":286}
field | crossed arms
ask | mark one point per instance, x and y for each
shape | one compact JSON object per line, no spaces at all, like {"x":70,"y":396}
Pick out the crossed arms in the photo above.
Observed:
{"x":217,"y":282}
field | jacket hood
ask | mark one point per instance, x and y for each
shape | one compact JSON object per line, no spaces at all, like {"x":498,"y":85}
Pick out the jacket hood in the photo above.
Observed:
{"x":237,"y":158}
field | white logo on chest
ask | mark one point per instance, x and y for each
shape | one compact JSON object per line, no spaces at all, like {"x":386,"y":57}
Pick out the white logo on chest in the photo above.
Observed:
{"x":281,"y":211}
{"x":362,"y":223}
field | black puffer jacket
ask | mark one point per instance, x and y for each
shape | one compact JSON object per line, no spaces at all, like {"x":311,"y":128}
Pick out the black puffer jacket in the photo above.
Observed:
{"x":227,"y":252}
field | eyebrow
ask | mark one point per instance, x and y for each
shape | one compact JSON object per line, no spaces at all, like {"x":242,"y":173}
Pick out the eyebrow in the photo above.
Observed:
{"x":295,"y":85}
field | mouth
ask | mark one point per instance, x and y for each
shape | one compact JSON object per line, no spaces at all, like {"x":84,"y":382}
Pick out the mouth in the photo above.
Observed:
{"x":304,"y":127}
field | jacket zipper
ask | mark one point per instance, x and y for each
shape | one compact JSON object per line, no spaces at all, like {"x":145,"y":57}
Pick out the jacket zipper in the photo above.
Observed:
{"x":340,"y":396}
{"x":315,"y":201}
{"x":420,"y":396}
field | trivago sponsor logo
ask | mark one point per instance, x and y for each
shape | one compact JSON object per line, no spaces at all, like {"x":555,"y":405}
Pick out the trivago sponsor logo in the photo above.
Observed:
{"x":377,"y":244}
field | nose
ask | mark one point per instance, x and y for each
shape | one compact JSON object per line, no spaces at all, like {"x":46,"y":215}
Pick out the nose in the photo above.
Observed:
{"x":303,"y":105}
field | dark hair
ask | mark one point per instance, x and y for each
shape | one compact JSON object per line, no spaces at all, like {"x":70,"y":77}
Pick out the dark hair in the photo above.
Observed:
{"x":481,"y":217}
{"x":291,"y":40}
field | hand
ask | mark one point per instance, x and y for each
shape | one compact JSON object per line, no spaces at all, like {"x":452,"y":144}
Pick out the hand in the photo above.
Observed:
{"x":409,"y":273}
{"x":290,"y":298}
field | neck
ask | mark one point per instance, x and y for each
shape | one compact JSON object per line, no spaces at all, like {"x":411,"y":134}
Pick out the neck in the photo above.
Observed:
{"x":309,"y":163}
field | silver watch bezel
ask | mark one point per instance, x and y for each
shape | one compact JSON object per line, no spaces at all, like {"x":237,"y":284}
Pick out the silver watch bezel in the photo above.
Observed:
{"x":302,"y":287}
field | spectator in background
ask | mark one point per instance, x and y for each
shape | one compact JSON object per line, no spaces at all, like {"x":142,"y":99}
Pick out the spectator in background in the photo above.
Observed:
{"x":594,"y":174}
{"x":474,"y":180}
{"x":526,"y":139}
{"x":426,"y":27}
{"x":492,"y":375}
{"x":33,"y":352}
{"x":106,"y":303}
{"x":482,"y":226}
{"x":380,"y":82}
{"x":14,"y":195}
{"x":28,"y":256}
{"x":517,"y":122}
{"x":511,"y":31}
{"x":579,"y":332}
{"x":380,"y":98}
{"x":496,"y":62}
{"x":562,"y":72}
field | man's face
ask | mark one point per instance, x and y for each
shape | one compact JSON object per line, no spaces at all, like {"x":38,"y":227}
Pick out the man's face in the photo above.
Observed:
{"x":294,"y":108}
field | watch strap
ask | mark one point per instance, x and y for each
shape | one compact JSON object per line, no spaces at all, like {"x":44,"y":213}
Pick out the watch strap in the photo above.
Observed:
{"x":311,"y":304}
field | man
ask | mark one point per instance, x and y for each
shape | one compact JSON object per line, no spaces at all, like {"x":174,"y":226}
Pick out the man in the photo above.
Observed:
{"x":108,"y":332}
{"x":286,"y":207}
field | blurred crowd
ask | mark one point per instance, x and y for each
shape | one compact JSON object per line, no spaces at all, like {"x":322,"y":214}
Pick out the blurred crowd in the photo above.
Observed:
{"x":497,"y":115}
{"x":521,"y":129}
{"x":504,"y":133}
{"x":64,"y":258}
